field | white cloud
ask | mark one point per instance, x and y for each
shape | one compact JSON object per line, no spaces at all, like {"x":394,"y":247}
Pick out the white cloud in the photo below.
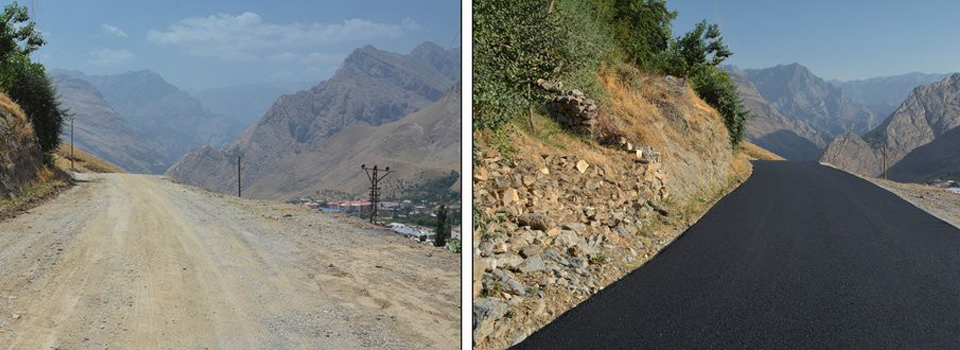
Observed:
{"x":109,"y":57}
{"x":246,"y":37}
{"x":109,"y":29}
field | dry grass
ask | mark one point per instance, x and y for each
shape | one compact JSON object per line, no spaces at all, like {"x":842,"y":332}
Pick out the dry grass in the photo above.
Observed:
{"x":11,"y":107}
{"x":688,"y":133}
{"x":19,"y":121}
{"x":49,"y":181}
{"x":83,"y":162}
{"x":754,"y":152}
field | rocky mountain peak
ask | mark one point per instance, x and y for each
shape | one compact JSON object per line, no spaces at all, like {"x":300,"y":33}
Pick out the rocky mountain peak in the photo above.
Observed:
{"x":372,"y":91}
{"x":925,"y":115}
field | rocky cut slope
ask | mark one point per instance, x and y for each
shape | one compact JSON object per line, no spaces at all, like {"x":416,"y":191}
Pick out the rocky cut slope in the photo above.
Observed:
{"x":927,"y":113}
{"x":564,"y":216}
{"x":19,"y":149}
{"x":295,"y":147}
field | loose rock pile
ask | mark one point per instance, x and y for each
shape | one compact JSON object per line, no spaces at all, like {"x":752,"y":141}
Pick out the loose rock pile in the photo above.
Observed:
{"x":574,"y":109}
{"x":570,"y":108}
{"x":555,"y":230}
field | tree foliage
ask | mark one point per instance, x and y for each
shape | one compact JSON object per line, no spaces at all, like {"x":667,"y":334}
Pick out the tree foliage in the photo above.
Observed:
{"x":517,"y":42}
{"x":642,"y":28}
{"x":443,"y":227}
{"x":696,"y":55}
{"x":697,"y":50}
{"x":716,"y":89}
{"x":17,"y":33}
{"x":27,"y":82}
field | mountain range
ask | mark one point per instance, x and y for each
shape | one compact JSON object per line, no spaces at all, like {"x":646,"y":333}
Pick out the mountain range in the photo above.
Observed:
{"x":801,"y":116}
{"x":884,"y":94}
{"x":928,"y":113}
{"x":796,"y":113}
{"x":244,"y":103}
{"x":169,"y":120}
{"x":99,"y":129}
{"x":379,"y":106}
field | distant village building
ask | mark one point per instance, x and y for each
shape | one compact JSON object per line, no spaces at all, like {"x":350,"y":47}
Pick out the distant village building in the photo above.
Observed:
{"x":412,"y":232}
{"x":351,"y":207}
{"x":311,"y":205}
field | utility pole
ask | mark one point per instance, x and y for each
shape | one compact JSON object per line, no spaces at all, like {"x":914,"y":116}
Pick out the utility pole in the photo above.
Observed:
{"x":373,"y":174}
{"x":71,"y":143}
{"x":884,"y":161}
{"x":239,"y":182}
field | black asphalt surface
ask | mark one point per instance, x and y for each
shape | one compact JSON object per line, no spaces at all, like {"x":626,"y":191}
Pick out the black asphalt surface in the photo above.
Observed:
{"x":801,"y":256}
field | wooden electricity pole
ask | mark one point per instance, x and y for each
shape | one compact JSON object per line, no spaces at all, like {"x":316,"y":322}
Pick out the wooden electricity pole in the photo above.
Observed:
{"x":71,"y":144}
{"x":884,"y":161}
{"x":239,"y":182}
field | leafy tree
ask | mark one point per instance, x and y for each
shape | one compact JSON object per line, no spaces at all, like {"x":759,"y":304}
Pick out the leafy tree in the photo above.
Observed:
{"x":443,"y":227}
{"x":697,"y":49}
{"x":17,"y":33}
{"x":27,"y":82}
{"x":515,"y":43}
{"x":641,"y":27}
{"x":716,"y":89}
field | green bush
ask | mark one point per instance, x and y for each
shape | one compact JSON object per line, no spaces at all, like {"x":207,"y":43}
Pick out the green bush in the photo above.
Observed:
{"x":26,"y":82}
{"x":716,"y":89}
{"x":518,"y":42}
{"x":442,"y":234}
{"x":641,"y":28}
{"x":515,"y":43}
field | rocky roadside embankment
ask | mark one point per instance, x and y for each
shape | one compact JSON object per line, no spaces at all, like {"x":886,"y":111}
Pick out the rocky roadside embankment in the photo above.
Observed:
{"x":19,"y":149}
{"x":595,"y":192}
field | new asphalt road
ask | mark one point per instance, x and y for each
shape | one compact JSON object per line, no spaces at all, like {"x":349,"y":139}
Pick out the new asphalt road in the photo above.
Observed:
{"x":801,"y":256}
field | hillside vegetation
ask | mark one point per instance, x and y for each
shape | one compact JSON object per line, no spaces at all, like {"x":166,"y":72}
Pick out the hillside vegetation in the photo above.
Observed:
{"x":600,"y":137}
{"x":24,"y":177}
{"x":518,"y":42}
{"x":30,"y":117}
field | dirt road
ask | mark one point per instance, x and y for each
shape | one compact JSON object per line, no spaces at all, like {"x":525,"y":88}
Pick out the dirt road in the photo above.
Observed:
{"x":138,"y":262}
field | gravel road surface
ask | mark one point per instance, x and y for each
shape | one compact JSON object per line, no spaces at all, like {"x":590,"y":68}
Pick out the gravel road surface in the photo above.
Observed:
{"x":139,"y":262}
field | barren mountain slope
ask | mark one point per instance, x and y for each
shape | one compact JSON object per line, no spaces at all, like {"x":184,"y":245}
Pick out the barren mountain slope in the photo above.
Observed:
{"x":101,"y":131}
{"x":800,"y":95}
{"x":424,"y":144}
{"x":884,"y":94}
{"x":791,"y":138}
{"x":171,"y":121}
{"x":371,"y":88}
{"x":937,"y":159}
{"x":927,"y":113}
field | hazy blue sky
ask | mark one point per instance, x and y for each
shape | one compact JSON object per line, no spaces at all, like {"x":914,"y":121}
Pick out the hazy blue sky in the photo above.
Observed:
{"x":835,"y":39}
{"x":199,"y":44}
